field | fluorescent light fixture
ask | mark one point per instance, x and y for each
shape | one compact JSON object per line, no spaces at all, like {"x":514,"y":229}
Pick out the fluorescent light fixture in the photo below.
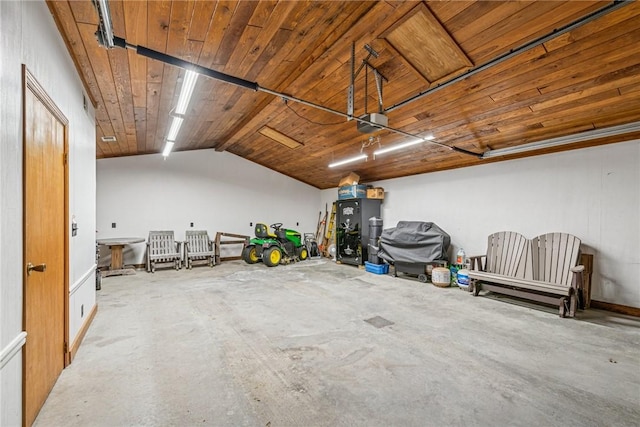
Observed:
{"x":403,"y":145}
{"x":397,"y":147}
{"x":167,"y":149}
{"x":109,"y":138}
{"x":175,"y":128}
{"x":188,"y":84}
{"x":564,"y":140}
{"x":350,"y":160}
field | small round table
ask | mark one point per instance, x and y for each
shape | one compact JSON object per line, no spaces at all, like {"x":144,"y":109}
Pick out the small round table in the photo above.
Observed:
{"x":116,"y":244}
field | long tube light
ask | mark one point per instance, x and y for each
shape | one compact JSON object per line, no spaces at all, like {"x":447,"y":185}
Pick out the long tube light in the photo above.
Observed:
{"x":188,"y":84}
{"x":349,"y":160}
{"x":167,"y":148}
{"x":564,"y":140}
{"x":175,"y":128}
{"x":403,"y":145}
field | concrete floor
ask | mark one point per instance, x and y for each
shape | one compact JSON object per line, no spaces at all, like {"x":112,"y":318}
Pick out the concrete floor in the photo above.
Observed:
{"x":241,"y":345}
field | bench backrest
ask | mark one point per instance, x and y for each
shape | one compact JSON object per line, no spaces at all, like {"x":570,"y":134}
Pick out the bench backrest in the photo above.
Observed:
{"x":508,"y":254}
{"x":553,"y":255}
{"x":161,"y":243}
{"x":197,"y":241}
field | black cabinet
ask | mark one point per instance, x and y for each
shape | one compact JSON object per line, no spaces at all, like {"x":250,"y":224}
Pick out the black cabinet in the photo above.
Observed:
{"x":352,"y":229}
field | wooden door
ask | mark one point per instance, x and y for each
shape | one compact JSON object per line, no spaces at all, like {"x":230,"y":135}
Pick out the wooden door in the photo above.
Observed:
{"x":45,"y":254}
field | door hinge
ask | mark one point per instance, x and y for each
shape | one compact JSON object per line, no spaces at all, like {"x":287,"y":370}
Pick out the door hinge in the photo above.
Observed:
{"x":66,"y":348}
{"x":66,"y":158}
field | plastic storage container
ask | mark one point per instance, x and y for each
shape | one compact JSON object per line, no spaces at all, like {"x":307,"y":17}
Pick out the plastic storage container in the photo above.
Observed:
{"x":376,"y":268}
{"x":463,"y":278}
{"x":440,"y":277}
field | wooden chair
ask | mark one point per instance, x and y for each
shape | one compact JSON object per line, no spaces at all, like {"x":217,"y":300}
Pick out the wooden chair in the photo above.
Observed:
{"x":162,"y":249}
{"x":198,"y":247}
{"x":555,"y":258}
{"x":507,"y":254}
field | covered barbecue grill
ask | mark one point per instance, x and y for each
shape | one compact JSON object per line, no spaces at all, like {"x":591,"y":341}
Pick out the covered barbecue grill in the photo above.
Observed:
{"x":412,"y":245}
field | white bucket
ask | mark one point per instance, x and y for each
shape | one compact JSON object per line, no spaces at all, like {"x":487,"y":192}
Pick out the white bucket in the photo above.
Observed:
{"x":463,"y":278}
{"x":440,"y":277}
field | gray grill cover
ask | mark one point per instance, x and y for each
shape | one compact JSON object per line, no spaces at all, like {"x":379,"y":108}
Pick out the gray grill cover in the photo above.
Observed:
{"x":414,"y":241}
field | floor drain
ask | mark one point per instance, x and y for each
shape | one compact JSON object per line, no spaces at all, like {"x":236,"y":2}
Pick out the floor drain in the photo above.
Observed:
{"x":379,"y":322}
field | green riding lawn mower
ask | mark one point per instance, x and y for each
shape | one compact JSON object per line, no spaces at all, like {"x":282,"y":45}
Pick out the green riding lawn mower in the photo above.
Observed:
{"x":281,"y":246}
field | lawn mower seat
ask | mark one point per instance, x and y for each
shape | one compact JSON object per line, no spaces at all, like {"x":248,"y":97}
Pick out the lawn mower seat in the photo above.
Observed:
{"x":262,"y":231}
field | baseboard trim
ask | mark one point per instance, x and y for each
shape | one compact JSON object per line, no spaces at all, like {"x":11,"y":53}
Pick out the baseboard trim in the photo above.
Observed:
{"x":616,"y":308}
{"x":83,"y":330}
{"x":12,"y":348}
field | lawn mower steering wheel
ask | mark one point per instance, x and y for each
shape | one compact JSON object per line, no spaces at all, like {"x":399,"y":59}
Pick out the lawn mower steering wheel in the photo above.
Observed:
{"x":276,"y":226}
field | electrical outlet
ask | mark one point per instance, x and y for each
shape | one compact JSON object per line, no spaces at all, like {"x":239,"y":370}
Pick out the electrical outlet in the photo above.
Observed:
{"x":250,"y":224}
{"x":297,"y":224}
{"x":191,"y":225}
{"x":113,"y":225}
{"x":81,"y":310}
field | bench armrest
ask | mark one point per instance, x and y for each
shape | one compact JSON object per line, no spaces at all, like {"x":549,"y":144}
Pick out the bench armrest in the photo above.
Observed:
{"x":476,"y":260}
{"x":578,"y":269}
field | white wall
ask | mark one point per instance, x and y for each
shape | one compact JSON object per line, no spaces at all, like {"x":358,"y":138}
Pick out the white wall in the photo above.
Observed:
{"x":217,"y":191}
{"x":28,"y":35}
{"x":593,"y":193}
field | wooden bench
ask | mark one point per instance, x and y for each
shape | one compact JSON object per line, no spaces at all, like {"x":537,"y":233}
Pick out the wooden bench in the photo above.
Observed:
{"x":163,"y":250}
{"x":238,"y":240}
{"x":543,"y":269}
{"x":198,"y":247}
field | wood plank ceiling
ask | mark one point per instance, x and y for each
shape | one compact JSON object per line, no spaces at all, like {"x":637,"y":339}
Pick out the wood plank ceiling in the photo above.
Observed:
{"x":588,"y":78}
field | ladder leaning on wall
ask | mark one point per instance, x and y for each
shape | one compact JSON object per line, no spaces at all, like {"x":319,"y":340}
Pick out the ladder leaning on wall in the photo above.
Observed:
{"x":328,"y":237}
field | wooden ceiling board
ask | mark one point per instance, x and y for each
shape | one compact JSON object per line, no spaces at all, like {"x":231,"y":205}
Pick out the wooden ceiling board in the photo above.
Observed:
{"x":426,"y":45}
{"x":297,"y":67}
{"x":371,"y":17}
{"x":327,"y":81}
{"x":235,"y":19}
{"x":466,"y":24}
{"x":630,"y":88}
{"x":221,"y":17}
{"x":201,"y":20}
{"x":510,"y":76}
{"x":520,"y":28}
{"x":83,"y":12}
{"x":447,"y":10}
{"x":586,"y":79}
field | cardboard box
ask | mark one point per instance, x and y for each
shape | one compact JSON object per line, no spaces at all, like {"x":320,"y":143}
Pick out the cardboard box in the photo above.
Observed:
{"x":352,"y":192}
{"x":375,"y":193}
{"x":351,"y":179}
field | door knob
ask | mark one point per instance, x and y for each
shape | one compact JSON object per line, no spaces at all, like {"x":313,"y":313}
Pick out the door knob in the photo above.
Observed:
{"x":40,"y":268}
